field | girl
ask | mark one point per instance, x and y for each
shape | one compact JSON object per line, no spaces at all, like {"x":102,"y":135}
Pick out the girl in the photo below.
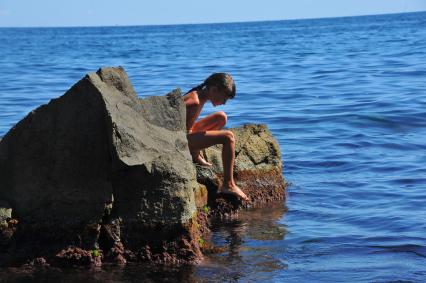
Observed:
{"x":217,"y":89}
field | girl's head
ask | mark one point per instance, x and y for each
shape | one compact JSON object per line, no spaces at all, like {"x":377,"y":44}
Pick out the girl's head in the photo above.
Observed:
{"x":219,"y":87}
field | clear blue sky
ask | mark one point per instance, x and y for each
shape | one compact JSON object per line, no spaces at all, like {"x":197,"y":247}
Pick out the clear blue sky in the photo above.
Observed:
{"x":143,"y":12}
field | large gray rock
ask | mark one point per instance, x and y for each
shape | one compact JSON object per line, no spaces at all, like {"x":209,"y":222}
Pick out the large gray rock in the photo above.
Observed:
{"x":153,"y":177}
{"x":99,"y":142}
{"x":54,"y":164}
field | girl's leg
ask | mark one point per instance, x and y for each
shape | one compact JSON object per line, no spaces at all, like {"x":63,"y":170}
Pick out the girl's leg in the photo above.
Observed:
{"x":200,"y":140}
{"x":215,"y":121}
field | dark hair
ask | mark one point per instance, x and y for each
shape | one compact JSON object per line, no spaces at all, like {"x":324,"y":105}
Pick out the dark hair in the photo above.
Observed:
{"x":223,"y":81}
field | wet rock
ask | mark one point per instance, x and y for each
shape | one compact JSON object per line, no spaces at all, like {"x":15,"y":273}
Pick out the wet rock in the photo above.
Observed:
{"x":8,"y":226}
{"x":39,"y":262}
{"x":90,"y":236}
{"x":201,"y":196}
{"x":73,"y":256}
{"x":109,"y":235}
{"x":7,"y":230}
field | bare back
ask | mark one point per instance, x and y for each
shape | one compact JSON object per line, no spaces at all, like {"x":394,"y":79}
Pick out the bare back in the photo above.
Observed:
{"x":193,"y":108}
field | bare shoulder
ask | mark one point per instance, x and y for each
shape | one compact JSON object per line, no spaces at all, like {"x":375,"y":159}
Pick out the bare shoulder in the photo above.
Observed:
{"x":191,"y":99}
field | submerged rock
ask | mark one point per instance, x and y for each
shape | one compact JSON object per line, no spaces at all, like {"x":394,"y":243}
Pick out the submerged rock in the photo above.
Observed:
{"x":100,"y":169}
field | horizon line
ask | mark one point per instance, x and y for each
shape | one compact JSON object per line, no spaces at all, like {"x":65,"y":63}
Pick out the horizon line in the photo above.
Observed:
{"x":217,"y":23}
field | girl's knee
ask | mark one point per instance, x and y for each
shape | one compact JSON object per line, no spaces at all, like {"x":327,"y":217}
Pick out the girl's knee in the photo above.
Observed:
{"x":229,"y":137}
{"x":221,"y":117}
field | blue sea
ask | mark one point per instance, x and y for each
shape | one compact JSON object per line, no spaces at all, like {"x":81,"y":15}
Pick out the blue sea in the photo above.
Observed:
{"x":345,"y":98}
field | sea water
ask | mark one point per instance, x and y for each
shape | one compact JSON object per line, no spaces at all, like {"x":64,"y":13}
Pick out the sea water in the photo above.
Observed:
{"x":346,"y":99}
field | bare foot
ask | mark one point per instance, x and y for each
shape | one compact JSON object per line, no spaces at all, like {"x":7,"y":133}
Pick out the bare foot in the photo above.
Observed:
{"x":234,"y":190}
{"x":201,"y":161}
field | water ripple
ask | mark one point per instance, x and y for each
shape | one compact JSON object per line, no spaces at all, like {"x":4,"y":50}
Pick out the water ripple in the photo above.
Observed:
{"x":344,"y":97}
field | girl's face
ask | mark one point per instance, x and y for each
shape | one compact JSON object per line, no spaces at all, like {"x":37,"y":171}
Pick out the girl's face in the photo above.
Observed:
{"x":217,"y":96}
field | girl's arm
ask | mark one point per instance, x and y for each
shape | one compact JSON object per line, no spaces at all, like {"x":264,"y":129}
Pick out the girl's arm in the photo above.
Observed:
{"x":191,"y":100}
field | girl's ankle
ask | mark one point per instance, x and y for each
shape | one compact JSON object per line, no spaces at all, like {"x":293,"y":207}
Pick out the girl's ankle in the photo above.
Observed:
{"x":228,"y":184}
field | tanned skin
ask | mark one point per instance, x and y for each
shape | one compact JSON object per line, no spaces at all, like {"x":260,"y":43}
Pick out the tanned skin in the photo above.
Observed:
{"x":208,"y":131}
